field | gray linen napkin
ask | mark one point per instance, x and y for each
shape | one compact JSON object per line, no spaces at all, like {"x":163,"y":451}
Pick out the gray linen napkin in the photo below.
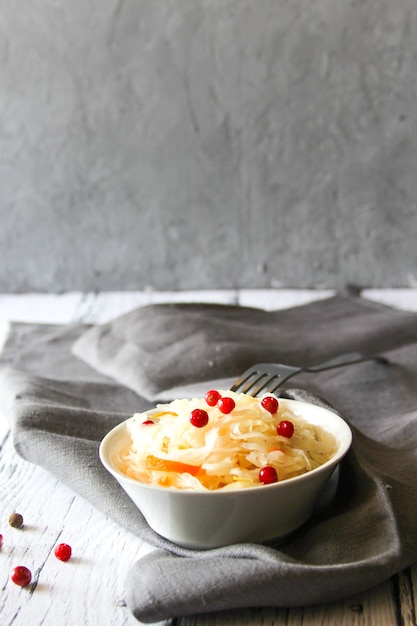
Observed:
{"x":157,"y":348}
{"x":60,"y":408}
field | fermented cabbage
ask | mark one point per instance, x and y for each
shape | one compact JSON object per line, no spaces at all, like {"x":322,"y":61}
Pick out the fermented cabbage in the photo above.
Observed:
{"x":167,"y":450}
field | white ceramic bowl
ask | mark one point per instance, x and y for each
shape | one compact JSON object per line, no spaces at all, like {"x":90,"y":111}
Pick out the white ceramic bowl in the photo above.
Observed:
{"x":212,"y":519}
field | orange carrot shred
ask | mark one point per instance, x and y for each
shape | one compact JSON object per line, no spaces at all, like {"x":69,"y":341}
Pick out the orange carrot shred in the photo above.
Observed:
{"x":166,"y":465}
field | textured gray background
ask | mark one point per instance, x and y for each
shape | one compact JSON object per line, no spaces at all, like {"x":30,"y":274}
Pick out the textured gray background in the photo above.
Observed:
{"x":185,"y":144}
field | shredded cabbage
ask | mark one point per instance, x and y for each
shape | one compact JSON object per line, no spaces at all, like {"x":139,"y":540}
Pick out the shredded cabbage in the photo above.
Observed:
{"x":225,"y":454}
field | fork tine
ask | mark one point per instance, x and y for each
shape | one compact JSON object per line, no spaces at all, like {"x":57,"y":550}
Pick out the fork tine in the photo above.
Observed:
{"x":276,"y":383}
{"x":257,"y":382}
{"x":268,"y":377}
{"x":263,"y":377}
{"x":269,"y":383}
{"x":247,"y":381}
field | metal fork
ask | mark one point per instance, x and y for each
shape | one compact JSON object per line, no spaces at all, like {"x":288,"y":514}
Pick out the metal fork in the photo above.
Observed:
{"x":268,"y":377}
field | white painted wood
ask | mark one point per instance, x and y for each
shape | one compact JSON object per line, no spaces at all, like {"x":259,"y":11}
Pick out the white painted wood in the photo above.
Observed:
{"x":407,"y":595}
{"x":89,"y":589}
{"x":4,"y":329}
{"x":4,"y":431}
{"x":273,"y":299}
{"x":405,"y":299}
{"x":39,"y":308}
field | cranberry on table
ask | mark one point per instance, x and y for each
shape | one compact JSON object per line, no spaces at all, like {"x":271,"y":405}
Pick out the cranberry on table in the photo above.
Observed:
{"x":21,"y":576}
{"x":63,"y":551}
{"x":268,"y":475}
{"x":226,"y":404}
{"x":199,"y":418}
{"x":285,"y":429}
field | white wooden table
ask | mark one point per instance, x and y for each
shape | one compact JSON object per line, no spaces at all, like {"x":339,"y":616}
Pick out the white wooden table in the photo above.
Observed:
{"x":89,"y":588}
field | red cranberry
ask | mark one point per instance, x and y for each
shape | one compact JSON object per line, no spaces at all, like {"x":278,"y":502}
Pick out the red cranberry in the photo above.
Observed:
{"x":268,"y":475}
{"x":226,"y":404}
{"x":212,"y":397}
{"x":21,"y":575}
{"x":63,"y":551}
{"x":147,"y":423}
{"x":199,"y":418}
{"x":285,"y":429}
{"x":270,"y":404}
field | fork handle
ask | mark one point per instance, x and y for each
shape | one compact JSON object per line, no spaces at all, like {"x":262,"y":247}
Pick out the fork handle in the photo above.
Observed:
{"x":343,"y":360}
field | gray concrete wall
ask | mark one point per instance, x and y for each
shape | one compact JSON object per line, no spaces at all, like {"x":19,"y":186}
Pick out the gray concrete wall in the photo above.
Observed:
{"x":185,"y":144}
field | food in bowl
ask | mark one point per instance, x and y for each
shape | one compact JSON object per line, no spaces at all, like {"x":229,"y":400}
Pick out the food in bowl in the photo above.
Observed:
{"x":203,"y":517}
{"x":223,"y":441}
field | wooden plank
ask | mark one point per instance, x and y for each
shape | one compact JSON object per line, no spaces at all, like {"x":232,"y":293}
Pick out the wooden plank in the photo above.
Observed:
{"x":4,"y":429}
{"x":406,"y":590}
{"x":39,"y":308}
{"x":413,"y":573}
{"x":273,"y":299}
{"x":88,"y":589}
{"x":404,"y":299}
{"x":4,"y":330}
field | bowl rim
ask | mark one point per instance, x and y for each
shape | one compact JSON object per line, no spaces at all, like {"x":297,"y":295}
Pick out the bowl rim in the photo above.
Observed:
{"x":343,"y":448}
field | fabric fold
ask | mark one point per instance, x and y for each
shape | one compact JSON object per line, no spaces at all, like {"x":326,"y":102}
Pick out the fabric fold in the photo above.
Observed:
{"x":61,"y":401}
{"x":155,"y":349}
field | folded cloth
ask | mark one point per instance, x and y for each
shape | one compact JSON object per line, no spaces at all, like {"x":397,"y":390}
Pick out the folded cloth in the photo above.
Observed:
{"x":60,"y":408}
{"x":157,"y":348}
